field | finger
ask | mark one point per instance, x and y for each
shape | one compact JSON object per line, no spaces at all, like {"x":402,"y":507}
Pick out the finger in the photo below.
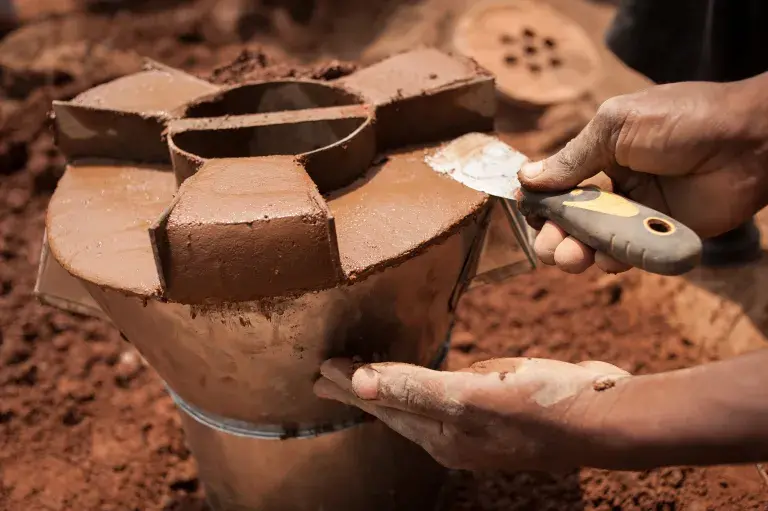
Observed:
{"x":327,"y":389}
{"x":410,"y":388}
{"x":339,"y":371}
{"x":416,"y":428}
{"x":536,"y":222}
{"x":587,"y":154}
{"x":610,"y":265}
{"x":573,"y":256}
{"x":546,"y":242}
{"x":603,"y":368}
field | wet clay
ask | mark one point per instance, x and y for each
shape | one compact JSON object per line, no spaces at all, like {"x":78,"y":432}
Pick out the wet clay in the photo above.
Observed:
{"x":247,"y":224}
{"x":237,"y":211}
{"x":380,"y":218}
{"x":426,"y":95}
{"x":92,"y":198}
{"x":157,"y":91}
{"x":124,"y":119}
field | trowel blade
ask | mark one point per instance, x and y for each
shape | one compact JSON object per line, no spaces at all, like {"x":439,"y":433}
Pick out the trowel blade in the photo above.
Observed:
{"x":481,"y":162}
{"x":630,"y":232}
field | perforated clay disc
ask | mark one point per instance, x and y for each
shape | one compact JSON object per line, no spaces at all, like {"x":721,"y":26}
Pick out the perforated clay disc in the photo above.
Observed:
{"x":538,"y":55}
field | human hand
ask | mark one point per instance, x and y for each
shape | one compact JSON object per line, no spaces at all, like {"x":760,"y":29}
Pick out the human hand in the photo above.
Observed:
{"x":695,"y":151}
{"x":510,"y":414}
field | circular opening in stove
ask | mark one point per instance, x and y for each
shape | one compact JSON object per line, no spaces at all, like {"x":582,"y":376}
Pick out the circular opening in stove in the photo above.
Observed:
{"x":258,"y":98}
{"x":269,"y":140}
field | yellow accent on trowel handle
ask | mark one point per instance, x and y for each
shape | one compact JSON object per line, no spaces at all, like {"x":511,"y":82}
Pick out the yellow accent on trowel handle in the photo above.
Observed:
{"x":605,"y":202}
{"x":627,"y":231}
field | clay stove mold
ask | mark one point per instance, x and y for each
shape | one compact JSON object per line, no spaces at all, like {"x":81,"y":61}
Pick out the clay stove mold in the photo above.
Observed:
{"x":277,"y":251}
{"x":278,"y":197}
{"x":373,"y":216}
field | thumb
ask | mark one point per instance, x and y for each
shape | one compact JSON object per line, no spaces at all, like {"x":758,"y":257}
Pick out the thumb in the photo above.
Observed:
{"x":409,"y":388}
{"x":590,"y":152}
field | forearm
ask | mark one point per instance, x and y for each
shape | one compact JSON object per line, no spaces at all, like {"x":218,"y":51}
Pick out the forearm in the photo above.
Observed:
{"x":711,"y":414}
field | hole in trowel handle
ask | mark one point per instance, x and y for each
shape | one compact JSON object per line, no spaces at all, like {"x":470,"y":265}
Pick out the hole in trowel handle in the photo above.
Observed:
{"x":659,"y":226}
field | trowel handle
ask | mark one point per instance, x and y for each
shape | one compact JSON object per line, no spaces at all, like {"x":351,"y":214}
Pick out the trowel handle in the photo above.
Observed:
{"x":627,"y":231}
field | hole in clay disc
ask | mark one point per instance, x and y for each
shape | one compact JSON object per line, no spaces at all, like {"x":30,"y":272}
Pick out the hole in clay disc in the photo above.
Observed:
{"x":531,"y":50}
{"x":534,"y":68}
{"x":528,"y":33}
{"x":507,"y":39}
{"x":511,"y":60}
{"x":658,"y":225}
{"x":555,"y":62}
{"x":549,"y":42}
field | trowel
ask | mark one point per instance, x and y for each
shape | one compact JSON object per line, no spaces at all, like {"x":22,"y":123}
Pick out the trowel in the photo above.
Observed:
{"x":627,"y":231}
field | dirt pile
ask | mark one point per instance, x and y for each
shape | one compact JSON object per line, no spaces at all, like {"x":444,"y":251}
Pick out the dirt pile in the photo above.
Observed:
{"x":84,"y":425}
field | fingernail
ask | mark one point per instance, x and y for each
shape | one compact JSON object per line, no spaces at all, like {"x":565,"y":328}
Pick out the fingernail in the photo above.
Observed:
{"x":365,"y":383}
{"x":319,"y":388}
{"x":531,"y":170}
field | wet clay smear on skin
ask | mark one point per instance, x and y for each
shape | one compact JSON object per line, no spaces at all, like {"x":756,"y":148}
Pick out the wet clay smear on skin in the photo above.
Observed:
{"x":248,"y":221}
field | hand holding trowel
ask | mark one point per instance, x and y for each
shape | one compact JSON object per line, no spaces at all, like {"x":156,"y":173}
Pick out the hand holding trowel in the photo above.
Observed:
{"x":627,"y":231}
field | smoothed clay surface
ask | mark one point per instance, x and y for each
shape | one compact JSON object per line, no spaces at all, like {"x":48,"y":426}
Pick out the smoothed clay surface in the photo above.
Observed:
{"x":239,"y":211}
{"x":154,"y":91}
{"x":98,"y":219}
{"x":411,"y":74}
{"x":425,"y":96}
{"x":395,"y":209}
{"x":124,"y":119}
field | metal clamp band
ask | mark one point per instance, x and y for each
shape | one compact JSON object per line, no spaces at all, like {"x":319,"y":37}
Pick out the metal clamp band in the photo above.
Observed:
{"x":280,"y":432}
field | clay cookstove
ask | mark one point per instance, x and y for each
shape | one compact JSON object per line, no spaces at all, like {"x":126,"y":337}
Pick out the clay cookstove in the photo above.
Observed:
{"x":239,"y":236}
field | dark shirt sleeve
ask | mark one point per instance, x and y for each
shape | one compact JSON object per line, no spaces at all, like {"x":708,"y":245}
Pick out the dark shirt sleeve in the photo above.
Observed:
{"x":680,"y":40}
